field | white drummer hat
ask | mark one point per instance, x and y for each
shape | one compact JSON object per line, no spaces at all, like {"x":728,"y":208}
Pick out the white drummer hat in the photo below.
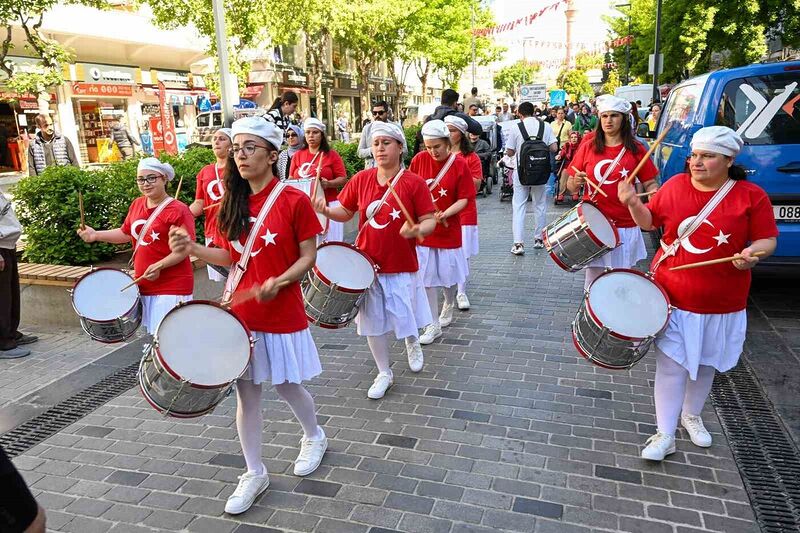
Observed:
{"x":260,"y":128}
{"x":435,"y":129}
{"x":717,"y":139}
{"x":151,"y":163}
{"x":388,"y":129}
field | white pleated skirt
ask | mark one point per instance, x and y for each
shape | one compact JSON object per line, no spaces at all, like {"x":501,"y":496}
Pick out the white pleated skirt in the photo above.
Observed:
{"x":281,"y":357}
{"x":335,"y":229}
{"x":441,"y":267}
{"x":694,"y":339}
{"x":395,"y":303}
{"x":630,"y":251}
{"x":469,"y":240}
{"x":213,"y":275}
{"x":155,"y":307}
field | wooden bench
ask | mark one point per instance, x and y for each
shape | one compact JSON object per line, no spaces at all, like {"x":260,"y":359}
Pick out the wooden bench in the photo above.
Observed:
{"x":63,"y":275}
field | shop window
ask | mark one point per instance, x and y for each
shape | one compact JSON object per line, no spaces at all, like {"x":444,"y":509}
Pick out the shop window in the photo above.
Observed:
{"x":94,"y":129}
{"x":283,"y":54}
{"x":339,"y":57}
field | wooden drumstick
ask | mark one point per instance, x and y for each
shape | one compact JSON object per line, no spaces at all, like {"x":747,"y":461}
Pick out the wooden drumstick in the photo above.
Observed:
{"x":647,"y":193}
{"x":178,"y":190}
{"x":403,"y":208}
{"x":593,"y":184}
{"x":716,"y":261}
{"x":206,"y":208}
{"x":136,"y":281}
{"x":649,"y":153}
{"x":80,"y":207}
{"x":238,"y":298}
{"x":317,"y":178}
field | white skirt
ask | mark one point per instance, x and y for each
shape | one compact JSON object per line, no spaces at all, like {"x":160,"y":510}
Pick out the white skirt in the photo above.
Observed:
{"x":281,"y":357}
{"x":335,"y":229}
{"x":396,"y":302}
{"x":442,"y":267}
{"x":469,"y":240}
{"x":694,"y":339}
{"x":155,"y":307}
{"x":630,"y":251}
{"x":213,"y":275}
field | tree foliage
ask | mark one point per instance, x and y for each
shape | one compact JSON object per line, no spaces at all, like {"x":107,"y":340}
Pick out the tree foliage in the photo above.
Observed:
{"x":575,"y":82}
{"x":510,"y":78}
{"x":612,"y":82}
{"x":588,"y":61}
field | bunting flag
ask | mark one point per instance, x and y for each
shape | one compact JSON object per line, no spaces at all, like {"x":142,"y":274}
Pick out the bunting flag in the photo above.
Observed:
{"x":622,"y":41}
{"x":522,"y":21}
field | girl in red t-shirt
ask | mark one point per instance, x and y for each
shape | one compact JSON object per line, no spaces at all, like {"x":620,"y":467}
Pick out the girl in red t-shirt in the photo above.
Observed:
{"x":210,"y":188}
{"x":396,"y":302}
{"x":613,"y":153}
{"x":268,"y":297}
{"x":564,"y":158}
{"x":463,"y":147}
{"x":707,"y":328}
{"x":441,"y":260}
{"x":169,"y":278}
{"x":317,"y":157}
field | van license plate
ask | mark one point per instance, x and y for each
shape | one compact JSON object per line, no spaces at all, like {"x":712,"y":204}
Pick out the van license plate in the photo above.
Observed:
{"x":786,"y":212}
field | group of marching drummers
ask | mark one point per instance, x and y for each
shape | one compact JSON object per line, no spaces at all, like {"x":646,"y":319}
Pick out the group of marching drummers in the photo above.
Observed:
{"x":282,"y":242}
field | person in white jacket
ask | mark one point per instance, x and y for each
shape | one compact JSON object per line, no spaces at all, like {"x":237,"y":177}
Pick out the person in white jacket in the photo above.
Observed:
{"x":380,"y":113}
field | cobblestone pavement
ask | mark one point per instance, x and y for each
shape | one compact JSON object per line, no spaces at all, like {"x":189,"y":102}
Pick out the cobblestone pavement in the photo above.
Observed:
{"x":505,"y":429}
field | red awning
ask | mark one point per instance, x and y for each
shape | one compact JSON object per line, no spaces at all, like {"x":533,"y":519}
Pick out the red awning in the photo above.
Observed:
{"x":252,"y":91}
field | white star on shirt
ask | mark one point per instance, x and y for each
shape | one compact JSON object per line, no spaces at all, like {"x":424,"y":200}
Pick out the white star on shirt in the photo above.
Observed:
{"x":395,"y":214}
{"x":442,"y":193}
{"x":153,"y":236}
{"x":269,"y":237}
{"x":722,"y":238}
{"x":623,"y":173}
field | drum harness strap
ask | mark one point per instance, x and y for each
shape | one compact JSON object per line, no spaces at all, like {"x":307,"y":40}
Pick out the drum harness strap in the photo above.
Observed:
{"x":238,"y":270}
{"x":608,"y":172}
{"x":150,"y":220}
{"x":374,"y":213}
{"x":672,"y":249}
{"x":442,"y":172}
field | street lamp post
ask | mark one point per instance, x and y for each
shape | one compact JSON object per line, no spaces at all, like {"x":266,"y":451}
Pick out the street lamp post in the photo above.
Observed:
{"x":627,"y":46}
{"x":227,"y":92}
{"x":472,"y":13}
{"x":656,"y":57}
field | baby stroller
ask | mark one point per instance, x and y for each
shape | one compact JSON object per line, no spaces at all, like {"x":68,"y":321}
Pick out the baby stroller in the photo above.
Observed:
{"x":507,"y":184}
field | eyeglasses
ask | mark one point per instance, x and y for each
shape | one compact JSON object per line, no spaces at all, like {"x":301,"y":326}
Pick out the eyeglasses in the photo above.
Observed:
{"x":290,"y":135}
{"x":248,"y":149}
{"x":151,"y":179}
{"x":376,"y":113}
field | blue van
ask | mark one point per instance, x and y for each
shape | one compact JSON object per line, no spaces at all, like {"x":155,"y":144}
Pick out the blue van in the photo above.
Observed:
{"x":762,"y":103}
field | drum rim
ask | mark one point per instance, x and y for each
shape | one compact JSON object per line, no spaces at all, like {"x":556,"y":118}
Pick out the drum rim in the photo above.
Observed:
{"x":171,"y":372}
{"x":589,"y":231}
{"x":95,"y":320}
{"x":620,"y":335}
{"x":328,"y":282}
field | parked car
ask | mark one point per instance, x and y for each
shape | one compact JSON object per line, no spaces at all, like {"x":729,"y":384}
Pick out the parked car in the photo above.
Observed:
{"x":762,"y":103}
{"x":209,"y":122}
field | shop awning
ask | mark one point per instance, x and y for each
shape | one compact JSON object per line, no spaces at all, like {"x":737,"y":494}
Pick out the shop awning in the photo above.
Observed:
{"x":252,"y":91}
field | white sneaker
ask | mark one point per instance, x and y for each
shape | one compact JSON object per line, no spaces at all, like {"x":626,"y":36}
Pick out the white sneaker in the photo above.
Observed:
{"x":311,"y":452}
{"x":659,"y":446}
{"x":462,"y":301}
{"x":249,"y":488}
{"x":415,"y":357}
{"x":446,"y":316}
{"x":518,"y":249}
{"x":382,"y":382}
{"x":697,"y":431}
{"x":430,"y":334}
{"x":538,"y":244}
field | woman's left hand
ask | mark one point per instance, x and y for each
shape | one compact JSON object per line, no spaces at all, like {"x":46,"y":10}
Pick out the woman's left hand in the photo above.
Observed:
{"x":441,"y":218}
{"x":268,"y":290}
{"x":153,"y":272}
{"x":747,"y":261}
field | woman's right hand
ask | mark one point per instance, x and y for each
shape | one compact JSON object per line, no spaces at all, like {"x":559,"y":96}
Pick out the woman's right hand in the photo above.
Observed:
{"x":87,"y":234}
{"x":179,"y":240}
{"x":319,"y":204}
{"x":626,"y":193}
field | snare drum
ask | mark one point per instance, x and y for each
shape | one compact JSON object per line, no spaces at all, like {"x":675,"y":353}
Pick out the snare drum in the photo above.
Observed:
{"x":579,"y":236}
{"x":334,"y":288}
{"x":198,"y":351}
{"x":306,"y":185}
{"x":106,"y":313}
{"x":621,"y":314}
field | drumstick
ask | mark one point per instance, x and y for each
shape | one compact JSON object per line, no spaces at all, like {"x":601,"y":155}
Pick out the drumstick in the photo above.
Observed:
{"x":647,"y":193}
{"x":649,"y":153}
{"x":206,"y":208}
{"x":316,"y":179}
{"x":593,"y":184}
{"x":136,"y":281}
{"x":238,"y":298}
{"x":178,"y":190}
{"x":80,"y":207}
{"x":716,"y":261}
{"x":403,"y":208}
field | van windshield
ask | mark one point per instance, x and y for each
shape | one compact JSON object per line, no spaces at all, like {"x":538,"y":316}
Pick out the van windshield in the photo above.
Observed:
{"x":683,"y":103}
{"x":763,"y":109}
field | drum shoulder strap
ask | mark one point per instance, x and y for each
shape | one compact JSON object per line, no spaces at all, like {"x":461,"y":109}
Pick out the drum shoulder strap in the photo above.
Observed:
{"x":442,"y":172}
{"x":150,"y":220}
{"x":385,"y":197}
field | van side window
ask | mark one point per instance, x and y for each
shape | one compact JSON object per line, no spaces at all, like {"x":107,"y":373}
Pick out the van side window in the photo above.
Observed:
{"x":763,"y":109}
{"x":203,"y":120}
{"x":682,"y":104}
{"x":217,"y":119}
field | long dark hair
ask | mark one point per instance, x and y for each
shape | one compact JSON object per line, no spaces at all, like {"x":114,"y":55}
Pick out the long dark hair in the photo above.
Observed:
{"x":466,"y":146}
{"x":323,"y":143}
{"x":233,"y":217}
{"x":628,"y":140}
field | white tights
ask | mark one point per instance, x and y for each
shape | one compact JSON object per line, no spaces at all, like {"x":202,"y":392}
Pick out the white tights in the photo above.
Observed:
{"x":379,"y":346}
{"x":250,"y":418}
{"x":462,"y":287}
{"x":433,"y":300}
{"x":676,"y":393}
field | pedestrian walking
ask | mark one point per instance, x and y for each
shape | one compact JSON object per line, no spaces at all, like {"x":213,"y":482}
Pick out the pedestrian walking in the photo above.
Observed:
{"x":282,"y":250}
{"x":396,"y":302}
{"x":380,"y":113}
{"x":49,"y":148}
{"x":123,"y":139}
{"x":282,"y":110}
{"x":585,"y":120}
{"x":710,"y":213}
{"x":343,"y":129}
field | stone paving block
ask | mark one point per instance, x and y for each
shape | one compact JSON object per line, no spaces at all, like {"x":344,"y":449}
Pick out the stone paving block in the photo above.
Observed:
{"x":414,"y":523}
{"x":457,"y":512}
{"x":168,"y":520}
{"x":505,"y":520}
{"x":407,"y":502}
{"x":82,"y":524}
{"x":294,"y":521}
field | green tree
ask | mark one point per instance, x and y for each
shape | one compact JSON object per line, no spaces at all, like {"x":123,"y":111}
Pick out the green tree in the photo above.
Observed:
{"x":588,"y":61}
{"x":575,"y":82}
{"x":612,"y":82}
{"x":510,"y":78}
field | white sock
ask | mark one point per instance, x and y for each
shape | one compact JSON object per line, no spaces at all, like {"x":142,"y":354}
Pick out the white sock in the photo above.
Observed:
{"x":697,"y":391}
{"x":433,"y":302}
{"x":250,"y":424}
{"x":302,"y":405}
{"x":670,"y":388}
{"x":450,"y":295}
{"x":379,"y":346}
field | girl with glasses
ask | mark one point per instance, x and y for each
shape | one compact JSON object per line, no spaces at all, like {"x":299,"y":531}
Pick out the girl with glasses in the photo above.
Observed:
{"x":169,"y":278}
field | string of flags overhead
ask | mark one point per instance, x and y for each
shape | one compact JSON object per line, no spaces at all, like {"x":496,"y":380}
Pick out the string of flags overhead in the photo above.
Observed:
{"x":521,"y":21}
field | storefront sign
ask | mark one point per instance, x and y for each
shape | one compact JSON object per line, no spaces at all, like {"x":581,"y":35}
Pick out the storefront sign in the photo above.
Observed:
{"x":24,"y":65}
{"x":157,"y":134}
{"x":150,"y":109}
{"x":28,"y":104}
{"x":295,"y":78}
{"x":174,"y":80}
{"x":97,"y":73}
{"x":167,"y":121}
{"x":101,"y":89}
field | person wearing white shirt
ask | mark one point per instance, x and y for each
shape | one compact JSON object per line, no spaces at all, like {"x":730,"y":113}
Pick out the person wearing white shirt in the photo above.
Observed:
{"x":521,"y":192}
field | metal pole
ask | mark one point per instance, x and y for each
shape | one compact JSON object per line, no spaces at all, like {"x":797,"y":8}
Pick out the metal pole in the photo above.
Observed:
{"x":628,"y":51}
{"x":227,"y":92}
{"x":473,"y":44}
{"x":656,"y":62}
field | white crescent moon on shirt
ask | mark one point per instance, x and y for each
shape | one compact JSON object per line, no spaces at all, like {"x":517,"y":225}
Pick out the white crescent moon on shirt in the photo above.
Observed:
{"x":598,"y":171}
{"x":135,"y":232}
{"x":686,"y":244}
{"x":215,"y":190}
{"x":239,"y":248}
{"x":304,"y":170}
{"x":371,"y":212}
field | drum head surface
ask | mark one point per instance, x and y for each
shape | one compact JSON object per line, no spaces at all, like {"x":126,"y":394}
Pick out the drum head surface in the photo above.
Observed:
{"x":97,"y":295}
{"x":345,"y":266}
{"x":203,"y":344}
{"x":628,"y":304}
{"x":599,"y":225}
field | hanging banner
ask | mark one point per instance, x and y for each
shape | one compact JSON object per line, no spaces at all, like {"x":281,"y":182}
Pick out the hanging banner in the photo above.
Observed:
{"x":167,"y":121}
{"x":508,"y":26}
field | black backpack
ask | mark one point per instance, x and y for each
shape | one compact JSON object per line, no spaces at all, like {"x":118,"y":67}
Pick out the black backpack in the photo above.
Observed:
{"x":534,"y":157}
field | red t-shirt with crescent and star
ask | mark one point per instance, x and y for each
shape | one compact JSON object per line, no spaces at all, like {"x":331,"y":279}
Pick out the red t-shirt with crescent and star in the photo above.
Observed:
{"x":177,"y":279}
{"x":304,"y":166}
{"x":469,"y":216}
{"x":596,"y":165}
{"x":210,"y":188}
{"x":743,"y":216}
{"x":381,"y":239}
{"x":277,"y":247}
{"x":455,"y":185}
